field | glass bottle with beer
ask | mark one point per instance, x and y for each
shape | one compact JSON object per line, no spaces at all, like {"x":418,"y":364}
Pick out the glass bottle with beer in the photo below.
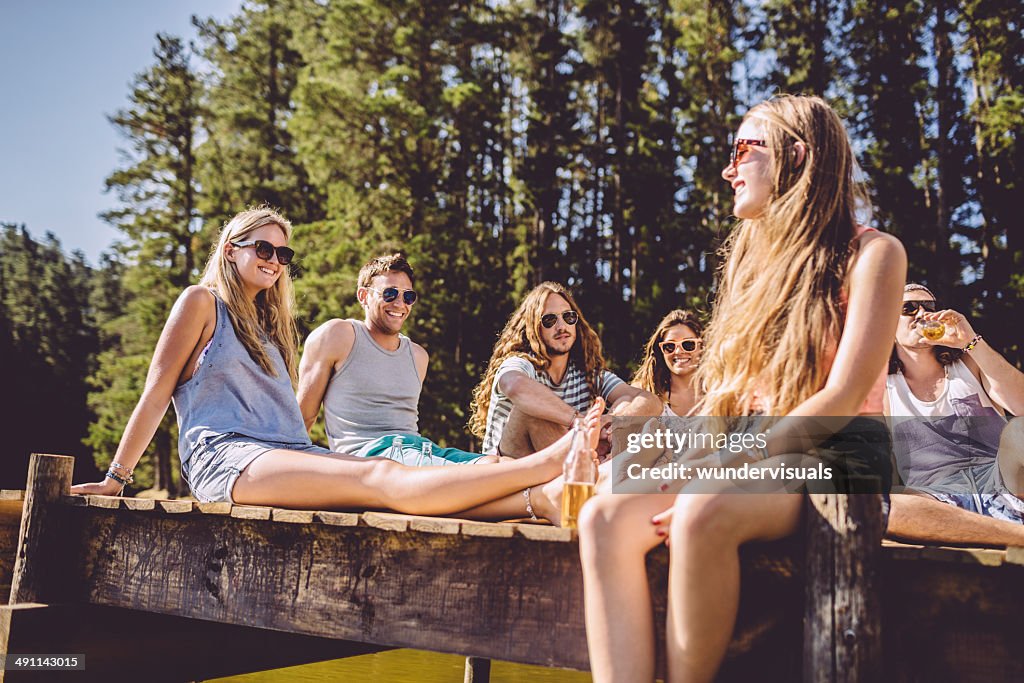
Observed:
{"x":933,"y":330}
{"x":580,"y":474}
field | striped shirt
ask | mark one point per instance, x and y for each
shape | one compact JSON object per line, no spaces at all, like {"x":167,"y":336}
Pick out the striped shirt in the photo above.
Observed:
{"x":573,"y":390}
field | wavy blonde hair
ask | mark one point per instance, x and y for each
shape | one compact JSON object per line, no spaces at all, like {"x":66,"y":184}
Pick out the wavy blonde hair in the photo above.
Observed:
{"x":778,"y":312}
{"x":653,"y":374}
{"x":521,"y":337}
{"x":269,"y":316}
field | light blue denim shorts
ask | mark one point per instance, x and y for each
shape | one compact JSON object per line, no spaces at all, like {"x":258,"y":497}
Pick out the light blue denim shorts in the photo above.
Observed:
{"x":216,"y":463}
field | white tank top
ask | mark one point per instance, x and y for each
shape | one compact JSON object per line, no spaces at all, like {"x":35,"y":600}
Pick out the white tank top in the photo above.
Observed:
{"x":933,"y":440}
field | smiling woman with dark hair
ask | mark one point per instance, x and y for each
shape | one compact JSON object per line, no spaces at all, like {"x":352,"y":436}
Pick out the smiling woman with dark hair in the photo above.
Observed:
{"x":670,"y":362}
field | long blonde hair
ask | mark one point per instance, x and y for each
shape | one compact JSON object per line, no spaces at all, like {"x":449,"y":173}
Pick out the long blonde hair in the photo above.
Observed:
{"x":778,"y":309}
{"x":269,"y":317}
{"x":653,"y":374}
{"x":521,"y":337}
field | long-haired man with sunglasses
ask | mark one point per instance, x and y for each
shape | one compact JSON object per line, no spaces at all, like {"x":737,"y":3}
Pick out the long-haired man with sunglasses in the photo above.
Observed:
{"x":546,"y":368}
{"x":947,"y":398}
{"x":367,"y":375}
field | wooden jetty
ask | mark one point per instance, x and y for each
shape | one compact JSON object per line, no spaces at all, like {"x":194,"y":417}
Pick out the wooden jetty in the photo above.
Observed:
{"x":184,"y":591}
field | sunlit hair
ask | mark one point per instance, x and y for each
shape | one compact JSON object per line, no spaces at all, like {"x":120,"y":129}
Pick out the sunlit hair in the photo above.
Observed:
{"x":778,"y":311}
{"x":269,"y":317}
{"x":653,"y":374}
{"x":392,"y":263}
{"x":521,"y":337}
{"x":944,"y":354}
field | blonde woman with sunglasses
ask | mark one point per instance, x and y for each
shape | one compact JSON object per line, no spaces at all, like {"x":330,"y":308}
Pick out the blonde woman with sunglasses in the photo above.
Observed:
{"x":806,"y":297}
{"x":227,"y":359}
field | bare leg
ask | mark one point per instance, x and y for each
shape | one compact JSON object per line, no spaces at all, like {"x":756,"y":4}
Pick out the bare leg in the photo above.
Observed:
{"x":921,"y":518}
{"x":1011,"y":456}
{"x":304,"y":480}
{"x":616,"y":534}
{"x":704,"y":574}
{"x":524,"y":434}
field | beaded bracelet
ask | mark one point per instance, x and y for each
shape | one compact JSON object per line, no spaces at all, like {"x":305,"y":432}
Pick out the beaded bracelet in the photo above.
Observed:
{"x":971,"y":344}
{"x":113,"y":475}
{"x":128,"y":472}
{"x":529,"y":505}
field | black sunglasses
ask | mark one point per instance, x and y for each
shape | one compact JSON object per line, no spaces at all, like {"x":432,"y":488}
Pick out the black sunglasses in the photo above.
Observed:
{"x":389,"y":294}
{"x":549,"y":320}
{"x":265,"y":250}
{"x":910,"y":308}
{"x":689,"y":345}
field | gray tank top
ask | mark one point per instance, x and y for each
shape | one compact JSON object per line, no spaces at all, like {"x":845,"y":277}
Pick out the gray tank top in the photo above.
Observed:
{"x":374,"y":393}
{"x":230,"y":393}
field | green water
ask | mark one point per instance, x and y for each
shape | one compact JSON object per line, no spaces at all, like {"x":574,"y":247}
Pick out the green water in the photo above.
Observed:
{"x":405,"y":666}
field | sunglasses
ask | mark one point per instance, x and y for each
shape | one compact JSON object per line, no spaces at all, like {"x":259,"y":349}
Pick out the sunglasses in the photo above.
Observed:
{"x":389,"y":294}
{"x":740,"y":148}
{"x":910,"y":308}
{"x":549,"y":320}
{"x":688,"y":345}
{"x":265,"y":250}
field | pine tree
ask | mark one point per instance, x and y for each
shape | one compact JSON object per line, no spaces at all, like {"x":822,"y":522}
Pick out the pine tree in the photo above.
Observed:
{"x":157,"y":192}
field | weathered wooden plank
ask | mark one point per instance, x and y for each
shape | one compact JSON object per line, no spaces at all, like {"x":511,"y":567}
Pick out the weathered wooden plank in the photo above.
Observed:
{"x":174,"y":507}
{"x":218,"y":508}
{"x":337,"y":518}
{"x":250,"y":512}
{"x":948,"y":621}
{"x":387,"y":521}
{"x":292,"y":516}
{"x":435,"y":525}
{"x":1015,"y":555}
{"x":139,"y":504}
{"x":542,"y":532}
{"x":49,"y":479}
{"x":74,"y":501}
{"x":121,"y":645}
{"x":477,"y":670}
{"x":106,"y":502}
{"x":488,"y":529}
{"x":842,"y":629}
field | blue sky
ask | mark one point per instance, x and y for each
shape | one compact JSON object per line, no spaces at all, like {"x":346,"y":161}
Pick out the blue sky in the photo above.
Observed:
{"x":64,"y":66}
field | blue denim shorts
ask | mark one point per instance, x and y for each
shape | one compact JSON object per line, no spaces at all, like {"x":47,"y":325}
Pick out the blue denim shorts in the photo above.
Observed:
{"x":216,"y":463}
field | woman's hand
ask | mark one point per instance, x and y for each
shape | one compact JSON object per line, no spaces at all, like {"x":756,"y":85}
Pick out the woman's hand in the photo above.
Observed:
{"x":107,"y":487}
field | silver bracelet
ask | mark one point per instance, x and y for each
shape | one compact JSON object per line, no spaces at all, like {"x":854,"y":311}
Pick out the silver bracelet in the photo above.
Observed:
{"x":529,"y":505}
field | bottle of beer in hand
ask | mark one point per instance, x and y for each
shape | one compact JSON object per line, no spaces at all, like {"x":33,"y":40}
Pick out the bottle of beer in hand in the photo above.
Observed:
{"x":580,"y":473}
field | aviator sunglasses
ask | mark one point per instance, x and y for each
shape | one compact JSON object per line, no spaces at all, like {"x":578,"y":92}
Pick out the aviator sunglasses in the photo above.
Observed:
{"x":688,"y":345}
{"x":549,"y":320}
{"x":265,"y":250}
{"x":910,"y":308}
{"x":389,"y":294}
{"x":740,"y":148}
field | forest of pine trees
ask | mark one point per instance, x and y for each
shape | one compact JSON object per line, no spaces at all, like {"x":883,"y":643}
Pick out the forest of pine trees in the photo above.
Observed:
{"x":499,"y":144}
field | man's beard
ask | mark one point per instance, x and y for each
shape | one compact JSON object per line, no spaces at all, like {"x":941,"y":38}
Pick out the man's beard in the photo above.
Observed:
{"x":552,"y":351}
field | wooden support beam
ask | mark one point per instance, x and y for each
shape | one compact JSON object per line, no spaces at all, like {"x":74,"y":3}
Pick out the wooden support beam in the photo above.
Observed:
{"x":842,"y":620}
{"x":121,"y":644}
{"x":477,"y":670}
{"x":49,"y":479}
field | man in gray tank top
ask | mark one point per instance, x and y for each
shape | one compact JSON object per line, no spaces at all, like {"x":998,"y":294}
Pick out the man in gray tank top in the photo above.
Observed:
{"x":946,"y":398}
{"x":367,"y":375}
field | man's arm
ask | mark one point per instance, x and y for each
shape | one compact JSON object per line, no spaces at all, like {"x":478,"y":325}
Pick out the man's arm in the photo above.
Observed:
{"x":534,"y":399}
{"x":326,"y":349}
{"x":629,"y":400}
{"x":422,"y":360}
{"x":920,"y":518}
{"x":1003,"y":382}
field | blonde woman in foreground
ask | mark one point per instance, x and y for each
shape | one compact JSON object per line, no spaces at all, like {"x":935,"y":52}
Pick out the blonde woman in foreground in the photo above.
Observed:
{"x":806,"y":298}
{"x":227,"y":358}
